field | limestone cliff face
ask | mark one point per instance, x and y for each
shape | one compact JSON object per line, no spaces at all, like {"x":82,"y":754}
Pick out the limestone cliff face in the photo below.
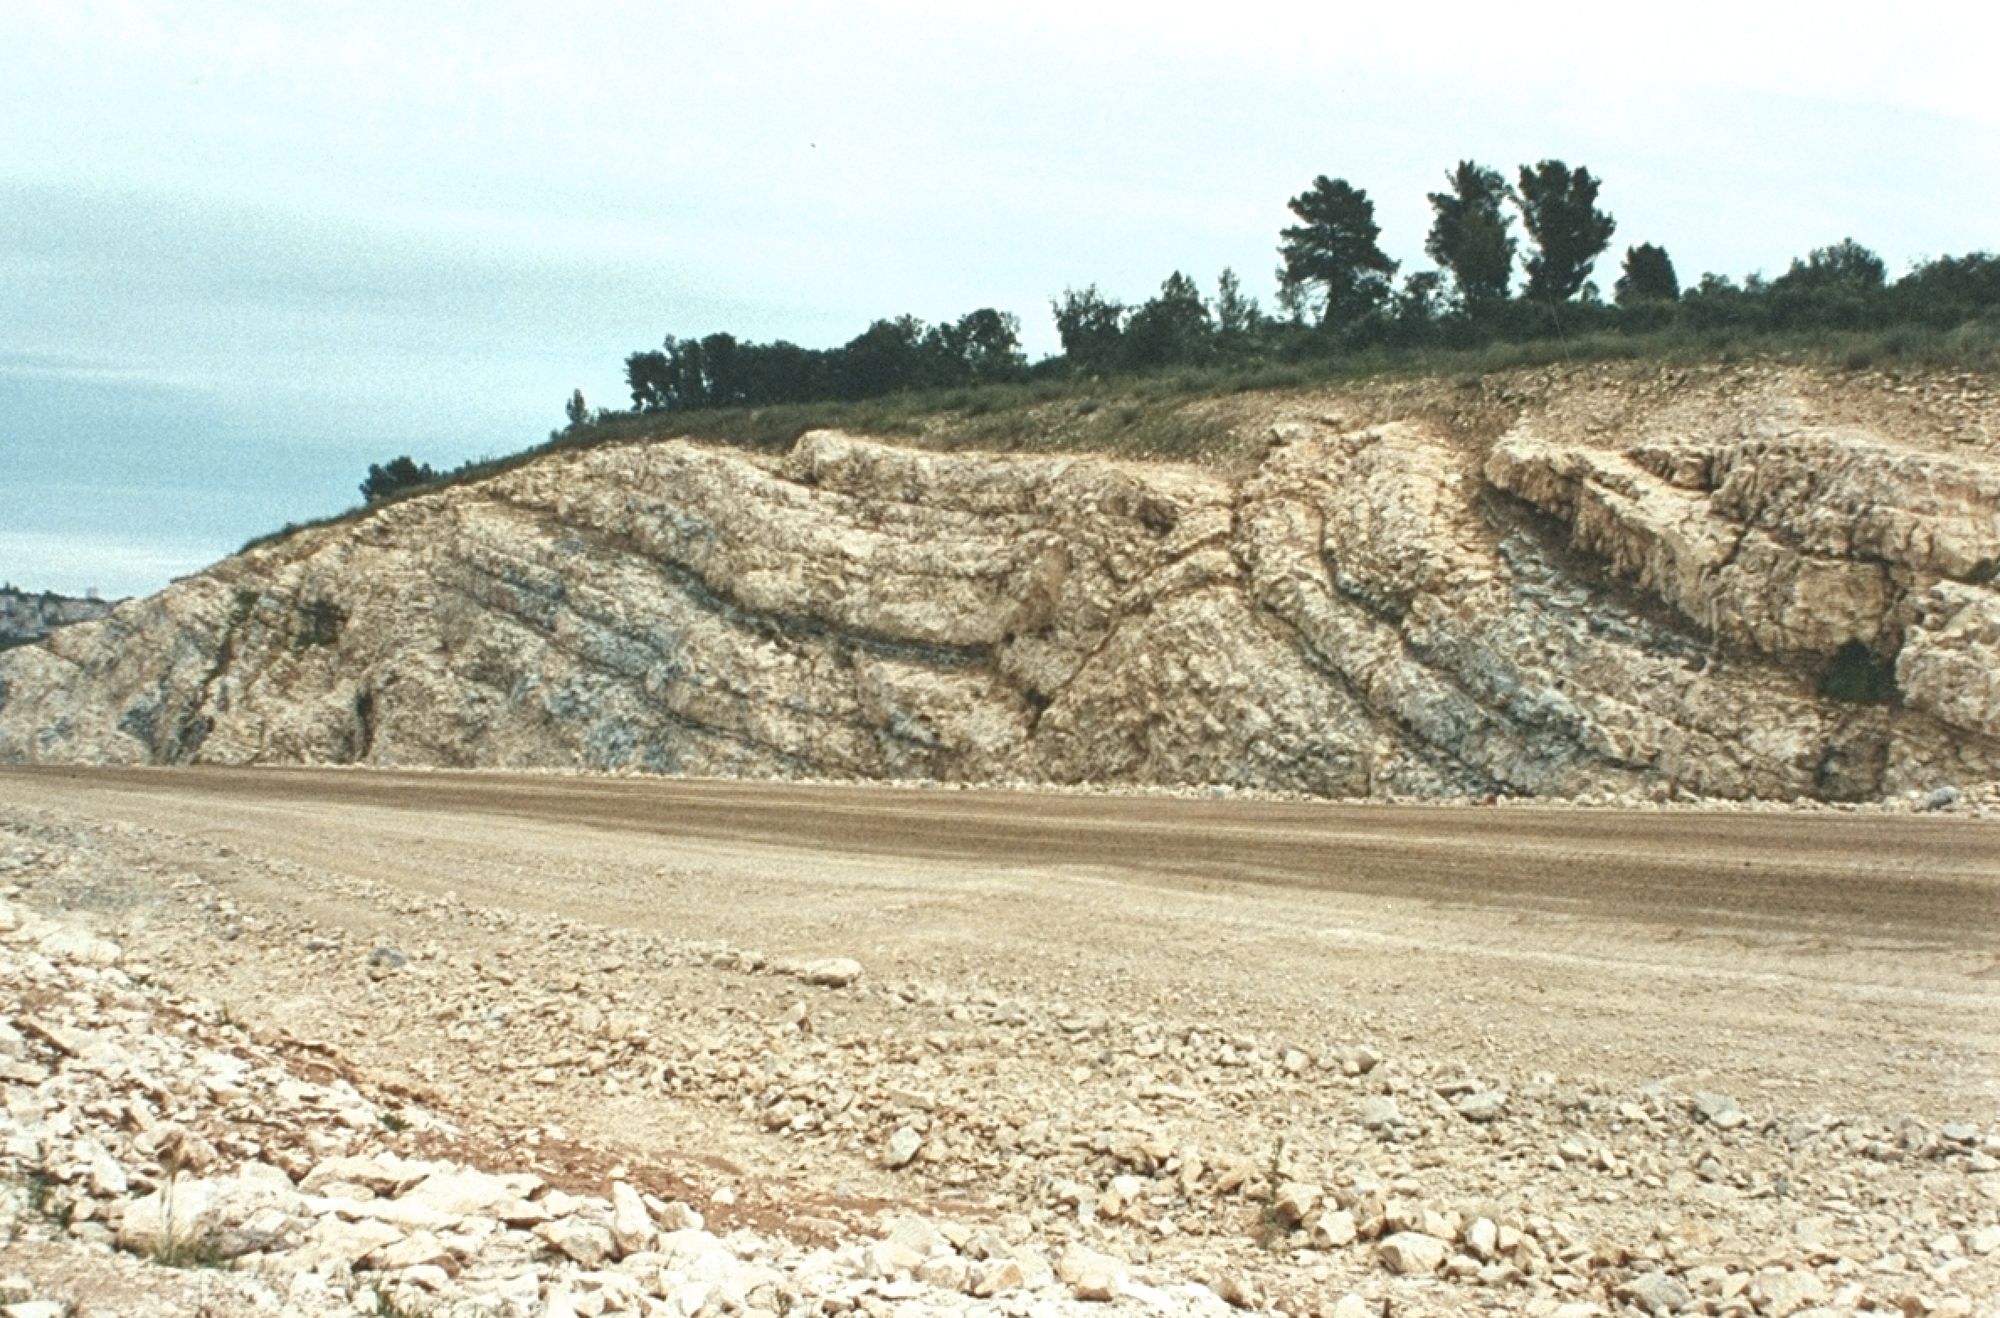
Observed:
{"x":1642,"y":598}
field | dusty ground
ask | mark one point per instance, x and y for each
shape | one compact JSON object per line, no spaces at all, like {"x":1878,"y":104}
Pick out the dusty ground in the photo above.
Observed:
{"x":1207,"y":997}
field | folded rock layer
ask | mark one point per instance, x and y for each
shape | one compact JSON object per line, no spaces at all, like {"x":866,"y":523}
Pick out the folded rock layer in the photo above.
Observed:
{"x":1644,"y":602}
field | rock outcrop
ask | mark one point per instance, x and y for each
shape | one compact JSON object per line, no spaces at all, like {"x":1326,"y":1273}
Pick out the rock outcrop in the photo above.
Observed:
{"x":1721,"y":586}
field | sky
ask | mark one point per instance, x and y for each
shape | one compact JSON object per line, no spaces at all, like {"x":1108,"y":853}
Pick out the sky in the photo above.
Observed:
{"x":248,"y":249}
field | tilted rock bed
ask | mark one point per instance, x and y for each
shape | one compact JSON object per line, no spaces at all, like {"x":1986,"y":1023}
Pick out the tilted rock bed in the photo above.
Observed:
{"x":1733,"y":582}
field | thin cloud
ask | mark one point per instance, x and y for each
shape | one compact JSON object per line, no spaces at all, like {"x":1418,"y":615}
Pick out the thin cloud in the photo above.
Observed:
{"x":31,"y":365}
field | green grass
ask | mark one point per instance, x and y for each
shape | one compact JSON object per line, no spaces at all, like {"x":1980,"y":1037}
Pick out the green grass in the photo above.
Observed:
{"x":196,"y":1252}
{"x":1151,"y":415}
{"x":47,"y":1199}
{"x":385,"y":1307}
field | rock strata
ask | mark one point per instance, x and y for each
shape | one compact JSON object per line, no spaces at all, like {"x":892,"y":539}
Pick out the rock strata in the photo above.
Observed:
{"x":1728,"y":587}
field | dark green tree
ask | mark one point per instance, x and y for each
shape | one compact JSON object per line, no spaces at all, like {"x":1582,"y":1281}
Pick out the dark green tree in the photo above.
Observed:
{"x":783,"y":372}
{"x":1472,"y":237}
{"x":671,"y":379}
{"x":1236,"y":315}
{"x":1092,"y":327}
{"x":716,"y":371}
{"x":577,"y":410}
{"x":1846,"y":264}
{"x":1171,"y":328}
{"x":1951,"y":290}
{"x":1331,"y":255}
{"x":980,"y":346}
{"x":1837,"y":287}
{"x":1648,"y":277}
{"x":887,"y":356}
{"x":646,"y":376}
{"x":1293,"y":299}
{"x":1559,"y":211}
{"x":393,"y":477}
{"x":1417,"y":305}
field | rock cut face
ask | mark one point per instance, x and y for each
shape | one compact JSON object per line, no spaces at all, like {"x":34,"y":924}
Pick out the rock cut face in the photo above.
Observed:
{"x":1785,"y":610}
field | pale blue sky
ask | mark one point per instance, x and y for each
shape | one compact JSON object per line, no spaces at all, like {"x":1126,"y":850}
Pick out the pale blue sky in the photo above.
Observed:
{"x":245,"y":251}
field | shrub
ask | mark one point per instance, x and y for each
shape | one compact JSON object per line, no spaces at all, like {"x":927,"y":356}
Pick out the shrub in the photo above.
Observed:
{"x":395,"y":476}
{"x":1857,"y":675}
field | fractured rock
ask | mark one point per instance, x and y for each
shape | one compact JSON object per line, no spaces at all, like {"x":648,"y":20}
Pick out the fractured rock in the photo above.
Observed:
{"x":829,"y":972}
{"x":632,"y":1228}
{"x":1411,"y":1253}
{"x":903,"y":1146}
{"x":1656,"y":1293}
{"x":1719,"y":1110}
{"x":1293,"y":1201}
{"x":1380,"y":1113}
{"x":1089,"y":1274}
{"x":1482,"y":1106}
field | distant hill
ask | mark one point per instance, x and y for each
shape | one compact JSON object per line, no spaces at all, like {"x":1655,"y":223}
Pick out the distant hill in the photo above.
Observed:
{"x":29,"y":616}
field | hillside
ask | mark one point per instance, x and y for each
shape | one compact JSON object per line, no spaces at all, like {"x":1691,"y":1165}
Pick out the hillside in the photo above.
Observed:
{"x":1740,"y":581}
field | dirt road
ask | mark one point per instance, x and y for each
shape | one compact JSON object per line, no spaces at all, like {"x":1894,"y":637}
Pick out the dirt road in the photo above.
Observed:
{"x":1037,"y":967}
{"x":1785,"y":921}
{"x":1933,"y":880}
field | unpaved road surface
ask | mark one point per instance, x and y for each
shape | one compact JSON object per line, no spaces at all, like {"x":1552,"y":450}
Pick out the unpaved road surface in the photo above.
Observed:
{"x":1753,"y":1053}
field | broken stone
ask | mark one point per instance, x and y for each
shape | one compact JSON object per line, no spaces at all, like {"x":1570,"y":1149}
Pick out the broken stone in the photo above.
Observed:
{"x":584,"y":1242}
{"x":996,"y":1277}
{"x":1293,"y":1201}
{"x":1483,"y":1106}
{"x":828,"y":972}
{"x":419,"y":1250}
{"x":1719,"y":1110}
{"x":66,"y":943}
{"x":1379,"y":1112}
{"x":1089,"y":1274}
{"x":1236,"y":1290}
{"x":1410,"y":1253}
{"x":903,"y":1146}
{"x":1656,"y":1292}
{"x":384,"y":961}
{"x":1334,"y":1229}
{"x":632,"y":1229}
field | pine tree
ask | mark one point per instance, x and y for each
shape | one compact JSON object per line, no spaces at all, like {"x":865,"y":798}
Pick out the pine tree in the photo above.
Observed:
{"x":1331,"y":256}
{"x":1471,"y":235}
{"x":1559,"y":210}
{"x":1648,"y":277}
{"x":1235,"y":314}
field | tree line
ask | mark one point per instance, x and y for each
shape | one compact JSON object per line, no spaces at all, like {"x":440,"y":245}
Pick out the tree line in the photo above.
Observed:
{"x":1337,"y":288}
{"x":721,"y":370}
{"x":1513,"y":262}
